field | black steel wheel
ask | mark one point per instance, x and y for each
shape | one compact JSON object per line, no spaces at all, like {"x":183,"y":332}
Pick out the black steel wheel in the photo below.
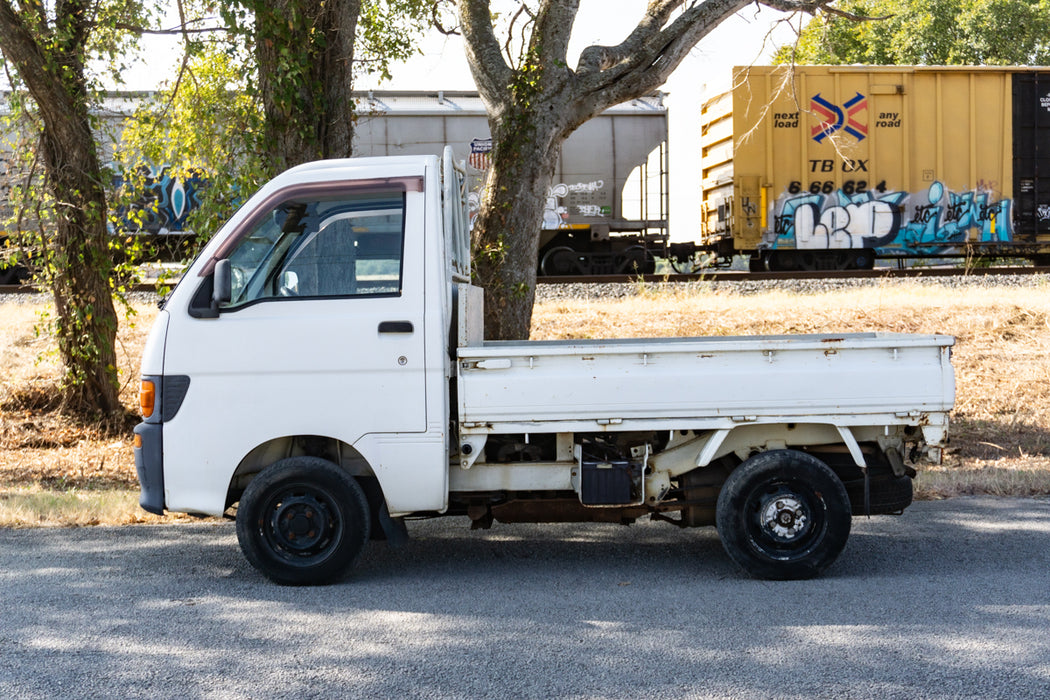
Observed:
{"x":636,"y":260}
{"x":783,"y":515}
{"x":562,"y":260}
{"x":303,"y":521}
{"x":757,"y":262}
{"x":864,"y":259}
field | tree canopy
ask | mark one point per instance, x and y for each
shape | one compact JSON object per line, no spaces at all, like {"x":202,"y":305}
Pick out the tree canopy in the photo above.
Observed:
{"x":270,"y":91}
{"x":927,"y":32}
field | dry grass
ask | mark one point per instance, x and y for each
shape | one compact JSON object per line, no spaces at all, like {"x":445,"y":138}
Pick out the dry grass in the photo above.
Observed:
{"x":35,"y":506}
{"x":57,"y":471}
{"x":42,"y":448}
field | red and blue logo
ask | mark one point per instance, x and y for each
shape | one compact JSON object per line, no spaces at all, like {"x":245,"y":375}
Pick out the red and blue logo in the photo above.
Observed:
{"x":839,"y":118}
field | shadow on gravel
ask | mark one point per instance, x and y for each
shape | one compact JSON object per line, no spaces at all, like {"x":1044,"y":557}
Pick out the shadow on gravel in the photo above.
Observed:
{"x":948,"y":600}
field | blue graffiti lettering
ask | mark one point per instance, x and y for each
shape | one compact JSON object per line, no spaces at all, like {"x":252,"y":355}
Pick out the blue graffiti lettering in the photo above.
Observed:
{"x":926,"y":222}
{"x":165,"y":204}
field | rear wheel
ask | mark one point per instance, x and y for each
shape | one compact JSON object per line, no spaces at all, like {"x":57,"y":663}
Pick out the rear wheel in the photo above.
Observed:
{"x":303,"y":521}
{"x":783,"y":514}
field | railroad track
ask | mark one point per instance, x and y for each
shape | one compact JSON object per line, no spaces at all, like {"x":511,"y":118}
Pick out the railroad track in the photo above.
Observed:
{"x":722,"y":276}
{"x":740,"y":276}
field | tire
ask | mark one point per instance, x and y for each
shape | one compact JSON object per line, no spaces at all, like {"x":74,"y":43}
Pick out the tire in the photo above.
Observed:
{"x":887,"y":494}
{"x":303,"y":521}
{"x":783,"y":515}
{"x":637,"y":261}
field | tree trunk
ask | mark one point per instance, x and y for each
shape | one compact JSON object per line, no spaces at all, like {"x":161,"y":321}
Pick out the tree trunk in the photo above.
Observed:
{"x":305,"y":51}
{"x":507,"y":231}
{"x":537,"y":100}
{"x":77,"y":264}
{"x":79,"y":267}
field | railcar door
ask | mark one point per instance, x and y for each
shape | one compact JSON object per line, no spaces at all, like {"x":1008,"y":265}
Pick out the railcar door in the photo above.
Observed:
{"x":1031,"y":156}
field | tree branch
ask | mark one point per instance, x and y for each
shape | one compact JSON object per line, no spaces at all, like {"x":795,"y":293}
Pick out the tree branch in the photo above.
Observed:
{"x":490,"y":70}
{"x":185,"y":64}
{"x":814,"y":6}
{"x":435,"y":18}
{"x":598,"y":57}
{"x":522,"y":9}
{"x":550,"y":39}
{"x":652,"y":51}
{"x":174,"y":31}
{"x":643,"y":61}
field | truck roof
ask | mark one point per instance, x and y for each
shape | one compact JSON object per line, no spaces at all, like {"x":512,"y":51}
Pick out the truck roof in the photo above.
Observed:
{"x":331,"y":168}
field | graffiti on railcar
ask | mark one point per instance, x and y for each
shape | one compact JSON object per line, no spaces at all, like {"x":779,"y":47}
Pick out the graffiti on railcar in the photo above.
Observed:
{"x":590,"y":199}
{"x":164,"y":205}
{"x":929,"y":221}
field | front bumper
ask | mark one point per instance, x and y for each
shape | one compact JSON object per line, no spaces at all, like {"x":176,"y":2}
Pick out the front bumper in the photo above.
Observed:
{"x":149,"y":463}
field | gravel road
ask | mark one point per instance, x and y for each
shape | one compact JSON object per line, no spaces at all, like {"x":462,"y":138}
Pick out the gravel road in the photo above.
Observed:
{"x":951,"y":600}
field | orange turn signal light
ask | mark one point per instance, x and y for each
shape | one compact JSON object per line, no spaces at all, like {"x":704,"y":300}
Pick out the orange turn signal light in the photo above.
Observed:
{"x":147,"y":398}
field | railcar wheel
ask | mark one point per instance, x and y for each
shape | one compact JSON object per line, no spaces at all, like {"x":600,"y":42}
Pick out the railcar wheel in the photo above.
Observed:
{"x":562,"y":260}
{"x":783,"y":515}
{"x":864,"y":259}
{"x":637,"y":261}
{"x":303,"y":521}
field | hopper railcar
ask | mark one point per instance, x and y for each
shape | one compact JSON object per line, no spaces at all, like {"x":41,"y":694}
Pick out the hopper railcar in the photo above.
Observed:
{"x":606,"y":212}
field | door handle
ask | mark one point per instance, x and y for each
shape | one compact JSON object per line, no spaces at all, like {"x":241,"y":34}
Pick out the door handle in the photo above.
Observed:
{"x":396,"y":327}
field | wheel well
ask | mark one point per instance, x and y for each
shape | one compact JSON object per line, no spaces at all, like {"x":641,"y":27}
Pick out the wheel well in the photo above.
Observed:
{"x":330,"y":449}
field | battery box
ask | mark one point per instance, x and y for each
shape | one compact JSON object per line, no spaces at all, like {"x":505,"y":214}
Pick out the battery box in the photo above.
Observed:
{"x":607,"y":483}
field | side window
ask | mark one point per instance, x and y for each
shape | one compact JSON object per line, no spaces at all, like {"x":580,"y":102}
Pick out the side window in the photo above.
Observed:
{"x":347,"y":246}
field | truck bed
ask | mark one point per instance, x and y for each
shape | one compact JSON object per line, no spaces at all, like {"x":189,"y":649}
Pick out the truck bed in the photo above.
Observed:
{"x":646,"y":383}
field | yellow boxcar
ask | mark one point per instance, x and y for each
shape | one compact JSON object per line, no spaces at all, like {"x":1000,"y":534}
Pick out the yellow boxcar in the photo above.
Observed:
{"x":824,"y":167}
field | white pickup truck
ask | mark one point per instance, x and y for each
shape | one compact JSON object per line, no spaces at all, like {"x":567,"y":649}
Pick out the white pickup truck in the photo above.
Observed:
{"x":321,"y":366}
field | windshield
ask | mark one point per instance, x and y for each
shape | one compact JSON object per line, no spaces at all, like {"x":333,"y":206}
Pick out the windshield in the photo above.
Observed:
{"x":346,"y":246}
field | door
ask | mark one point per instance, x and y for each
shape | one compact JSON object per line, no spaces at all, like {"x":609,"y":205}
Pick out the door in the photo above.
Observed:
{"x":323,"y":334}
{"x":1031,"y":156}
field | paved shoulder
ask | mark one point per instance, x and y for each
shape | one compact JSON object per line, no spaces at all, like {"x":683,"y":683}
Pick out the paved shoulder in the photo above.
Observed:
{"x":949,"y":600}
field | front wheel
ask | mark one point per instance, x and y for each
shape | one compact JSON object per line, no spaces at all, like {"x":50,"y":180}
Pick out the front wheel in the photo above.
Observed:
{"x":783,"y":515}
{"x":303,"y":521}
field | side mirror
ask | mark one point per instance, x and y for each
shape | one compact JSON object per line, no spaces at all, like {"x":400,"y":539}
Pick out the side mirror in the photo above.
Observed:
{"x":222,"y":291}
{"x":289,"y":284}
